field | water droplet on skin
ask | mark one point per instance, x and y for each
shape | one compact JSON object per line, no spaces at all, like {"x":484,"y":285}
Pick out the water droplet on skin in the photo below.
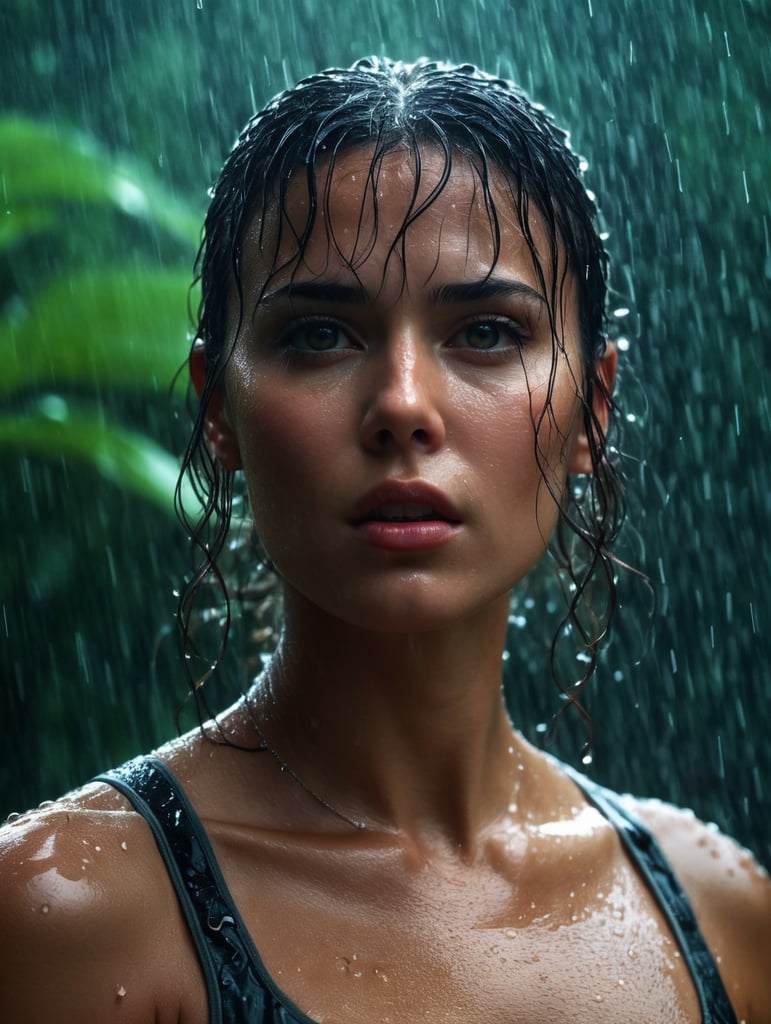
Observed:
{"x":342,"y":964}
{"x":599,"y":999}
{"x":120,"y":991}
{"x":12,"y":817}
{"x":124,"y":845}
{"x":45,"y":909}
{"x":510,"y":933}
{"x":98,"y":849}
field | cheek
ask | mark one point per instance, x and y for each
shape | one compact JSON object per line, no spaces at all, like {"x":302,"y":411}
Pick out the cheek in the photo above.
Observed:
{"x":288,"y":450}
{"x":532,"y":456}
{"x":557,"y":413}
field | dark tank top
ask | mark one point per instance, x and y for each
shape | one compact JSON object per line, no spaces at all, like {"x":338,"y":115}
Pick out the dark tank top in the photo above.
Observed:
{"x":239,"y":988}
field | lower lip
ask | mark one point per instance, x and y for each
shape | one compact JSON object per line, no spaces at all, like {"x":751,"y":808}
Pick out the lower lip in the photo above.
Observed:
{"x":406,"y":536}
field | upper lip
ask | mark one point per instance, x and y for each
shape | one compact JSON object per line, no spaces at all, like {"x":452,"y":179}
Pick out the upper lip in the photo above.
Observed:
{"x":408,"y":493}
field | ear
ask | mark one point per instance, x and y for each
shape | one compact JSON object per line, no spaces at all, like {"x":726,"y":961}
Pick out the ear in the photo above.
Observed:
{"x":581,"y":455}
{"x":218,"y":431}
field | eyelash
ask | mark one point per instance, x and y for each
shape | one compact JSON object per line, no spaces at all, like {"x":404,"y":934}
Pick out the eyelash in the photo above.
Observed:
{"x":286,"y":337}
{"x":509,"y":330}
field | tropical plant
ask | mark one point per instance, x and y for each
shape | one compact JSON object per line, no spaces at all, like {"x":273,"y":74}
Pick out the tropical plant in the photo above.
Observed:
{"x":89,"y":327}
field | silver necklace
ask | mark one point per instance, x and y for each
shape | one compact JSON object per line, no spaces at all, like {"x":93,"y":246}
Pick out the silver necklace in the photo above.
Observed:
{"x":356,"y":823}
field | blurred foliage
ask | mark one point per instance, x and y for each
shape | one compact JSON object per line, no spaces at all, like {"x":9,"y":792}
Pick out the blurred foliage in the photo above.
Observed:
{"x":97,"y":321}
{"x":669,"y":101}
{"x":89,"y":328}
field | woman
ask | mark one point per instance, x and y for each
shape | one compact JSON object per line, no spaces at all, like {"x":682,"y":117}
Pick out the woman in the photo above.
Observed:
{"x":401,"y":347}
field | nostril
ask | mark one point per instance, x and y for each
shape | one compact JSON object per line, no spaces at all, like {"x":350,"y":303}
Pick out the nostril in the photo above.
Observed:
{"x":394,"y":432}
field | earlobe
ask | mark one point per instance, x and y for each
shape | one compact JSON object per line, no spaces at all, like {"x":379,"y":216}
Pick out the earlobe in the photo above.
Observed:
{"x":218,"y":431}
{"x":581,"y":455}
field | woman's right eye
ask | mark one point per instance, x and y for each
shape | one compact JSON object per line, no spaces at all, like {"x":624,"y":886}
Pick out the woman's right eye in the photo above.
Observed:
{"x":315,"y":336}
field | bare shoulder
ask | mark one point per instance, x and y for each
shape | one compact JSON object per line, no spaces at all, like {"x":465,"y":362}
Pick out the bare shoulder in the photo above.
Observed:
{"x":731,"y":896}
{"x":89,"y":913}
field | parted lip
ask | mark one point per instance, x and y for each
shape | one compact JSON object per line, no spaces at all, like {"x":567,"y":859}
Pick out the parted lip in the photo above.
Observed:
{"x":421,"y":500}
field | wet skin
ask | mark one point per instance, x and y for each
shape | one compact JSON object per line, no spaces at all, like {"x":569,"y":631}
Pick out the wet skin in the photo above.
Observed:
{"x":483,"y":887}
{"x":430,"y":363}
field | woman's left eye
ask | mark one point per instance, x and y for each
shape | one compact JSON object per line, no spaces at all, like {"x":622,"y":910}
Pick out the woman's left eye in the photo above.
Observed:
{"x":488,"y":336}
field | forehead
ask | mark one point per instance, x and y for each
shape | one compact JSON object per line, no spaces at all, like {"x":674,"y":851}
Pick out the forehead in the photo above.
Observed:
{"x":416,"y":210}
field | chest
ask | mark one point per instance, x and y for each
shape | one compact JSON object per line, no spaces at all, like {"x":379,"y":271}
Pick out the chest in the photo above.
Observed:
{"x":572,"y":977}
{"x":482,"y":947}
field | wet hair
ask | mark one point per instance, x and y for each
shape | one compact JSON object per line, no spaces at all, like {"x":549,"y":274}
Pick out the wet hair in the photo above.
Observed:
{"x":379,"y":106}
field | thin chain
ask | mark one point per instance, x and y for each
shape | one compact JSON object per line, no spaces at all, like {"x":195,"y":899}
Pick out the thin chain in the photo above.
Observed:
{"x":353,"y":822}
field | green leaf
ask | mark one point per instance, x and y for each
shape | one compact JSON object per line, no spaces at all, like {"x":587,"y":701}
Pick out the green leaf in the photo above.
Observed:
{"x":22,"y":223}
{"x":41,"y":161}
{"x":56,"y":429}
{"x":123,"y":327}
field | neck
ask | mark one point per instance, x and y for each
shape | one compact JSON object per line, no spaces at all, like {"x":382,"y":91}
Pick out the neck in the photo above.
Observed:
{"x":407,"y":733}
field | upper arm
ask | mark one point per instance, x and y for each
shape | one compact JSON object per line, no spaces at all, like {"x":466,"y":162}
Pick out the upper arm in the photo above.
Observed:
{"x":731,"y":898}
{"x":80,"y":934}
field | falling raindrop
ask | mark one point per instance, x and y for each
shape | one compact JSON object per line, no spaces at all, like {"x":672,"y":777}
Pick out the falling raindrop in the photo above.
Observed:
{"x":667,"y":106}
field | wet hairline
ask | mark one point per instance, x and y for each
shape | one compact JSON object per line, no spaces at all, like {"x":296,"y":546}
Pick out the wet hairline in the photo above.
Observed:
{"x":280,"y":238}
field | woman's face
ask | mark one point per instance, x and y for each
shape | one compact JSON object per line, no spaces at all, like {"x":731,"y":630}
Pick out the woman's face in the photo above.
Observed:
{"x":383,"y":398}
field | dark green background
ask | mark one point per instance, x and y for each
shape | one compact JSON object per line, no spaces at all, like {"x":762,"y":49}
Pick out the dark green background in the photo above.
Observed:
{"x":669,"y":102}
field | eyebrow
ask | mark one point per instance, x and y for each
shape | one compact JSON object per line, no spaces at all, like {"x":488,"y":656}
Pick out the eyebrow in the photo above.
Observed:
{"x":488,"y":288}
{"x":318,"y":291}
{"x":355,"y":295}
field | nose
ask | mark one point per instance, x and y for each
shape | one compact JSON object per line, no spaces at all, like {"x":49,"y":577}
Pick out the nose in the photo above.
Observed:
{"x":402,"y":410}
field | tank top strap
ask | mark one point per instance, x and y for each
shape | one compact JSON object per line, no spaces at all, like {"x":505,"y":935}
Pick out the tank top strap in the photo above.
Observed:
{"x":661,"y":880}
{"x":237,"y":984}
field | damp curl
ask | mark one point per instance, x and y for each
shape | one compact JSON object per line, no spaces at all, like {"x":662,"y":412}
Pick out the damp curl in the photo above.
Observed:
{"x":458,"y":111}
